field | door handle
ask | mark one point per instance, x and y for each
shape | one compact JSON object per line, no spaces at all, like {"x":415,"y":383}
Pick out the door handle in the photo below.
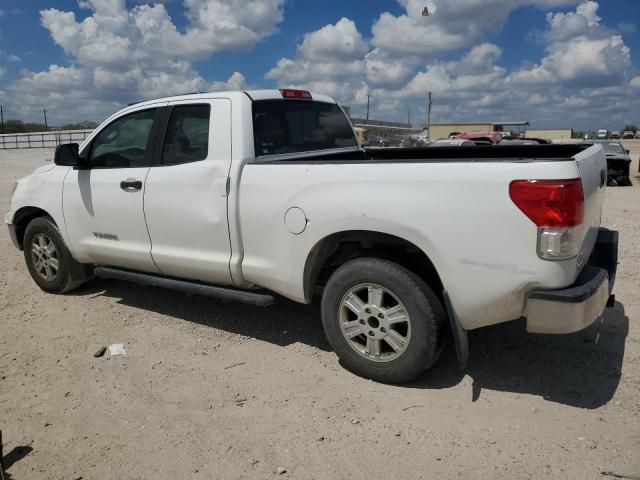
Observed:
{"x":131,"y":185}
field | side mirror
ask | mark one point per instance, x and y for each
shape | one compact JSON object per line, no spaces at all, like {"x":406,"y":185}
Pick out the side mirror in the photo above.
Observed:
{"x":67,"y":155}
{"x":627,"y":152}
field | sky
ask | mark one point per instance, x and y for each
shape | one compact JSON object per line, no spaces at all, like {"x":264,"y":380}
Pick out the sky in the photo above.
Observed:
{"x":554,"y":63}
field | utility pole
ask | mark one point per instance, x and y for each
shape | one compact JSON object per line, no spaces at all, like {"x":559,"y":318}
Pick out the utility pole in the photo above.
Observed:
{"x":368,"y":101}
{"x":2,"y":118}
{"x":46,"y":128}
{"x":429,"y":114}
{"x":409,"y":116}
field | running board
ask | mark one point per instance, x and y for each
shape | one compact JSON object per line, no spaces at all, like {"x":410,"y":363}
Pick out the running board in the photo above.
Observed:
{"x":225,"y":294}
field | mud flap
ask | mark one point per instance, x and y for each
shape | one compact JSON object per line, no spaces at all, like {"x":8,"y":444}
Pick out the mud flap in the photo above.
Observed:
{"x":459,"y":334}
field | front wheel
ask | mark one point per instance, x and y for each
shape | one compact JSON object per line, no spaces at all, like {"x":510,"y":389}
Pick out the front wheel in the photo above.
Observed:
{"x":382,"y":321}
{"x":48,"y":260}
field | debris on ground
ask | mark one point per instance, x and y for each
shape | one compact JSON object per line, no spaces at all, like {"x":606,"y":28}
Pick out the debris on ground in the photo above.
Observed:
{"x":117,"y":349}
{"x":99,"y":353}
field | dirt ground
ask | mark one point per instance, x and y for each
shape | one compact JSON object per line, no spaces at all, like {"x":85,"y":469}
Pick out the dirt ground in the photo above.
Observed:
{"x":222,"y":391}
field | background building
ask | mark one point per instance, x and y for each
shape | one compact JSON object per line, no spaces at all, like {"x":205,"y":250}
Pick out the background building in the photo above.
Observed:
{"x":378,"y":128}
{"x":444,"y":130}
{"x":550,"y":133}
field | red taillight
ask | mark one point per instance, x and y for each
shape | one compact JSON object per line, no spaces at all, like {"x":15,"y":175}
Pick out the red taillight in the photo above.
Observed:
{"x":550,"y":203}
{"x":298,"y":94}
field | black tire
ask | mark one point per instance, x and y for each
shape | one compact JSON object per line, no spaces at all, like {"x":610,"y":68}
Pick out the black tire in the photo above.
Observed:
{"x":624,"y":181}
{"x":69,"y":275}
{"x":426,"y":313}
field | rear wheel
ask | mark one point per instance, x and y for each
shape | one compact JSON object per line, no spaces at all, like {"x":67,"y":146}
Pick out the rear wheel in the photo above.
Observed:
{"x":382,"y":321}
{"x":48,"y":259}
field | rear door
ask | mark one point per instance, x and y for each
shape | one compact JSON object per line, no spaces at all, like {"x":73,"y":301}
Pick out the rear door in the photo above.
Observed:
{"x":185,"y":200}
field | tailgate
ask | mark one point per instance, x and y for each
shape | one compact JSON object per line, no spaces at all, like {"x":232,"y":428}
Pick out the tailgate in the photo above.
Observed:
{"x":592,"y":165}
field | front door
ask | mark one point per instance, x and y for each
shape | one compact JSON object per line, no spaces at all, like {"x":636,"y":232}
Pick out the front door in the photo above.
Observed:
{"x":103,"y":204}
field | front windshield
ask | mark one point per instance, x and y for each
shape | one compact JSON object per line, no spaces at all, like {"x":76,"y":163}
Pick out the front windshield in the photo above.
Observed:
{"x":613,"y":148}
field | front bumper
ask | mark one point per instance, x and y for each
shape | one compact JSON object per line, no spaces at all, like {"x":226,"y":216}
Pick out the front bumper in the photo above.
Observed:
{"x":14,"y":236}
{"x":579,"y":305}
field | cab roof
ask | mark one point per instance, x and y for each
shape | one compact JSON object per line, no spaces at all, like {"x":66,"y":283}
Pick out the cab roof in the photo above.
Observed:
{"x":271,"y":94}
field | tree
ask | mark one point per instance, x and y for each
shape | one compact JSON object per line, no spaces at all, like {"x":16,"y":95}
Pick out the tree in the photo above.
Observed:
{"x":630,"y":128}
{"x":18,"y":126}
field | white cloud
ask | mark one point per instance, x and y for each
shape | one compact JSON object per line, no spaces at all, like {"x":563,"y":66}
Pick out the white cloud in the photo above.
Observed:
{"x":383,"y":71}
{"x":123,"y":55}
{"x":2,"y":71}
{"x":581,"y":52}
{"x":9,"y":57}
{"x":330,"y":60}
{"x":451,"y":25}
{"x":341,"y":41}
{"x":584,"y":21}
{"x":236,"y":81}
{"x":118,"y":55}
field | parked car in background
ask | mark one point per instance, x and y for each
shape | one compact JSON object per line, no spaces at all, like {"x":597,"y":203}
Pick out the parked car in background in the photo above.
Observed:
{"x":414,"y":140}
{"x":526,"y":141}
{"x":615,"y":135}
{"x":618,"y":162}
{"x":489,"y":138}
{"x":361,"y":133}
{"x":376,"y":141}
{"x":603,"y":134}
{"x":638,"y":135}
{"x":628,"y":135}
{"x":452,"y":142}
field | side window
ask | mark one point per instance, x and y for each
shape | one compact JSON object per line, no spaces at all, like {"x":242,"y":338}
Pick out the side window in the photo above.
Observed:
{"x":124,"y":142}
{"x":187,"y":138}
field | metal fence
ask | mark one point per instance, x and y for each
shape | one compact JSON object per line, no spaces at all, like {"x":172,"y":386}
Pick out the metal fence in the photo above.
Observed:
{"x":12,"y":141}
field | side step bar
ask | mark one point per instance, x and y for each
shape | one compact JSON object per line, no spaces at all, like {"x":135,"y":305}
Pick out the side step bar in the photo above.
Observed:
{"x":225,"y":294}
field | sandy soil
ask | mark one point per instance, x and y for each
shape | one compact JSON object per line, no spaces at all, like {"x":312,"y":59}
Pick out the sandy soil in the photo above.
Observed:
{"x":224,"y":391}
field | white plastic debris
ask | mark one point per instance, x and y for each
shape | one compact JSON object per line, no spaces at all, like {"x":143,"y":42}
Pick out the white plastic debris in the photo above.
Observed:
{"x":117,"y":349}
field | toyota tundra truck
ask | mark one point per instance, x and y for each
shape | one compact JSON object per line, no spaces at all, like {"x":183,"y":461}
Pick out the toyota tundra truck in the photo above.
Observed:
{"x":240,"y":195}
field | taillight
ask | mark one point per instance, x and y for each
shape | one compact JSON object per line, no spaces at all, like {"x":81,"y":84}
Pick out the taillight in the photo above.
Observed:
{"x":297,"y":94}
{"x":557,"y":208}
{"x":550,"y":203}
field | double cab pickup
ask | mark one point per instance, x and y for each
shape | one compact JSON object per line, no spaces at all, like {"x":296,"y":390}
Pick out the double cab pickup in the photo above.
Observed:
{"x":239,"y":195}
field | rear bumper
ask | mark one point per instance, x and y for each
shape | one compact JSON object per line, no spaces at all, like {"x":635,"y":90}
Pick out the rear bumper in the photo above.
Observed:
{"x":617,"y":168}
{"x":579,"y":305}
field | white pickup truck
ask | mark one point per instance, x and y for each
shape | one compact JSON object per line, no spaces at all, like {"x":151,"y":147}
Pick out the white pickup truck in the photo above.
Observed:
{"x":239,"y":194}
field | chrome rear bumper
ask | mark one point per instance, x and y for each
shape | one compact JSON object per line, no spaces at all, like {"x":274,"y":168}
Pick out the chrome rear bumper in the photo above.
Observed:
{"x":576,"y":307}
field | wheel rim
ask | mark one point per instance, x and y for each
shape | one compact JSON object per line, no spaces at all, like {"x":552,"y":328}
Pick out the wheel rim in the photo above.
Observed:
{"x":45,"y":257}
{"x":374,"y":322}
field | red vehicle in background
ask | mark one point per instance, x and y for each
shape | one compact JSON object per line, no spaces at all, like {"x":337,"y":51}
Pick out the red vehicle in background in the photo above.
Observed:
{"x":481,"y":138}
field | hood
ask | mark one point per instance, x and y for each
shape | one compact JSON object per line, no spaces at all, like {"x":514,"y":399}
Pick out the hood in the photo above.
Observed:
{"x":44,"y":168}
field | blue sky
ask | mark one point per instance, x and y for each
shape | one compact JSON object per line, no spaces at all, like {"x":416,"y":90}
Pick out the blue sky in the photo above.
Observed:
{"x":553,"y":62}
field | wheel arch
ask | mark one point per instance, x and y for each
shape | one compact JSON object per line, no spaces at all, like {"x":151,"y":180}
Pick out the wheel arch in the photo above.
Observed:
{"x":23,"y":217}
{"x":337,"y":248}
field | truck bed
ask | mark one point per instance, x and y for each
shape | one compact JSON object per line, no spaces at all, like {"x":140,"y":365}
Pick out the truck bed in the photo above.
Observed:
{"x":488,"y":153}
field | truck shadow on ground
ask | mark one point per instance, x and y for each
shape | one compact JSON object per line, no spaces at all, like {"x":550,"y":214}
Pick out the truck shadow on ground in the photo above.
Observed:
{"x":581,"y":369}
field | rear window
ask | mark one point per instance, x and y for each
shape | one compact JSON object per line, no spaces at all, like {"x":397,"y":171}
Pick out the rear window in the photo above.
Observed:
{"x":292,"y":126}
